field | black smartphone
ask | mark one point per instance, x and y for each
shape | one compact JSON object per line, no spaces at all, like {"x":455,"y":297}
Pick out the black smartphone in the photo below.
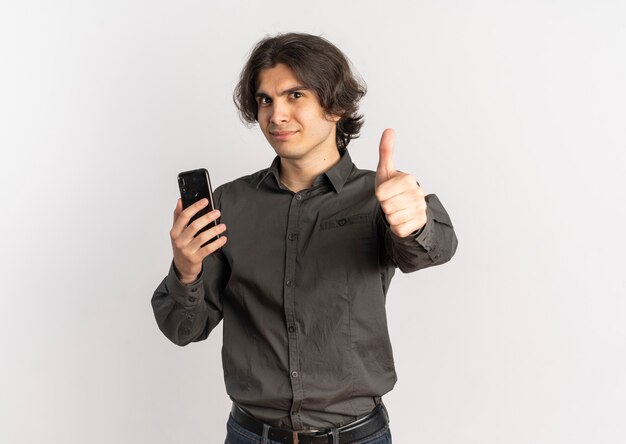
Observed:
{"x":195,"y":185}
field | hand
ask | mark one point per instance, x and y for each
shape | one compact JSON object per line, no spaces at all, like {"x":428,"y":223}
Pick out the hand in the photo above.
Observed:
{"x":401,"y":198}
{"x":188,"y":253}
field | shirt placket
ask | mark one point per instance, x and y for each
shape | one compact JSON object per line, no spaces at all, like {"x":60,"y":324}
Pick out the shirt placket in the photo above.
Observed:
{"x":290,"y":293}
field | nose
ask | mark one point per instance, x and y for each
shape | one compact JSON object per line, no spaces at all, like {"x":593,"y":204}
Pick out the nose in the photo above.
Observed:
{"x":280,"y":112}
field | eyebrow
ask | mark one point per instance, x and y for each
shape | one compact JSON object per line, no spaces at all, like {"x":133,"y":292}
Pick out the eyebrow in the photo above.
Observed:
{"x":282,"y":93}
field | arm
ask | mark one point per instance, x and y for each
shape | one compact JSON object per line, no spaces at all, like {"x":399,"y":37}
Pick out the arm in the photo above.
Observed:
{"x":187,"y":304}
{"x":189,"y":312}
{"x":415,"y":228}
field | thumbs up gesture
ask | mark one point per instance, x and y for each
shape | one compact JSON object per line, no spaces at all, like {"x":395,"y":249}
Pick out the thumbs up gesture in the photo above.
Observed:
{"x":401,"y":198}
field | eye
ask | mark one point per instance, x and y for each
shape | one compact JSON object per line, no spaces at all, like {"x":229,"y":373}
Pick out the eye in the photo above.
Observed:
{"x":263,"y":100}
{"x":297,"y":94}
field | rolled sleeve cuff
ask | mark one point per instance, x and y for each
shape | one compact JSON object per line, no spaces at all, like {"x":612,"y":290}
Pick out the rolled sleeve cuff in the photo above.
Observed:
{"x":425,"y":236}
{"x":188,"y":295}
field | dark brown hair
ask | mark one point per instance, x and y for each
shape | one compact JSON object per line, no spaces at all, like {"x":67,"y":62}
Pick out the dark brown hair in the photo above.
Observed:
{"x":319,"y":65}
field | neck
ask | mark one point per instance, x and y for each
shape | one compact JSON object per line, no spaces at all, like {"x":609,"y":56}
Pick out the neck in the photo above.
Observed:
{"x":299,"y":174}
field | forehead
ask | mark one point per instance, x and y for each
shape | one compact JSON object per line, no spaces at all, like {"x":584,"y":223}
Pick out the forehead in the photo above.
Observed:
{"x":279,"y":77}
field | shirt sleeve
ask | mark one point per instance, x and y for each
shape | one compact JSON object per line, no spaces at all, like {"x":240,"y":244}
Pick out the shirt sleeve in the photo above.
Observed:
{"x":433,"y":244}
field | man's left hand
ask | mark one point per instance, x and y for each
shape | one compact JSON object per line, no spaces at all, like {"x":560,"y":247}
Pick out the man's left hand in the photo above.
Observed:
{"x":401,"y":198}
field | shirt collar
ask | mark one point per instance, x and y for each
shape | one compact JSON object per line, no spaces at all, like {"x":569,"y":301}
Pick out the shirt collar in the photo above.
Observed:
{"x":337,"y":175}
{"x":273,"y":169}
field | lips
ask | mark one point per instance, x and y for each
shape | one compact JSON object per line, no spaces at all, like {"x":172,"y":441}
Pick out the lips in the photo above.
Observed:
{"x":282,"y":135}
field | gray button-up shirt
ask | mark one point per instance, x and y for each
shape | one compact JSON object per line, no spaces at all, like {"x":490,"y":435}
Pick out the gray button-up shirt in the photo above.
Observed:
{"x":300,"y":287}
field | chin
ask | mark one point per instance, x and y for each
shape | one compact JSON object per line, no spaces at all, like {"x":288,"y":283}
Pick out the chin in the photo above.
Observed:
{"x":288,"y":152}
{"x":288,"y":155}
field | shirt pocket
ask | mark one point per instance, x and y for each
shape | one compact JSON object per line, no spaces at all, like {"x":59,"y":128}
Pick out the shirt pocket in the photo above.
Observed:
{"x":345,"y":242}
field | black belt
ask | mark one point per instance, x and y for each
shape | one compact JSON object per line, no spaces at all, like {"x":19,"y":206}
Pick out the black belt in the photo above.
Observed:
{"x":354,"y":431}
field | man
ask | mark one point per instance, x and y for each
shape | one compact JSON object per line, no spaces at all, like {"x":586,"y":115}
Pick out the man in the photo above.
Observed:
{"x":313,"y":242}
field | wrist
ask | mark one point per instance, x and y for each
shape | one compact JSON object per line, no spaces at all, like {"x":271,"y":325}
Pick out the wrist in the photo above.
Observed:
{"x":185,"y":278}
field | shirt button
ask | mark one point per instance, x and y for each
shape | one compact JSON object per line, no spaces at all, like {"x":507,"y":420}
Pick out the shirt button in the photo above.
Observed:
{"x":191,"y":299}
{"x":292,"y":236}
{"x":290,"y":283}
{"x":291,"y":329}
{"x":194,"y":289}
{"x":294,"y":374}
{"x":298,"y":196}
{"x":294,"y":412}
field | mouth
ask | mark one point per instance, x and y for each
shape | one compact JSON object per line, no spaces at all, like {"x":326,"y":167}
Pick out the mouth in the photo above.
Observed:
{"x":282,"y":135}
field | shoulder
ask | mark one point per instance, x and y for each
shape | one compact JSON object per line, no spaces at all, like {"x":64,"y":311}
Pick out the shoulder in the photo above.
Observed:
{"x":240,"y":189}
{"x":364,"y":176}
{"x":242,"y":183}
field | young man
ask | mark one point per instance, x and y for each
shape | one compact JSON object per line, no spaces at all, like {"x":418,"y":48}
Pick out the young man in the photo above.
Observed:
{"x":313,"y":242}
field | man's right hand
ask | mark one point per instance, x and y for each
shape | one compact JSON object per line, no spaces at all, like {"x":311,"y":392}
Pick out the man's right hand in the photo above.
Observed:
{"x":188,"y":255}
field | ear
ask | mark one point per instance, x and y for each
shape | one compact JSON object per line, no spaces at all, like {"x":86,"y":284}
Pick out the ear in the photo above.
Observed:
{"x":333,"y":118}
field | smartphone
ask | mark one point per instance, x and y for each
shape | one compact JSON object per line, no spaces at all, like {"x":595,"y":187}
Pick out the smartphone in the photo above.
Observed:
{"x":195,"y":185}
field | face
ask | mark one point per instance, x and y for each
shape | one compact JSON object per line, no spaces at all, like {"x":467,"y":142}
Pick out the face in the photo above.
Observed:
{"x":291,"y":117}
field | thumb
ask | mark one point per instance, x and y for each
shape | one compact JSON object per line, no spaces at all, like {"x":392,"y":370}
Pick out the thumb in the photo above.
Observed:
{"x":385,"y":169}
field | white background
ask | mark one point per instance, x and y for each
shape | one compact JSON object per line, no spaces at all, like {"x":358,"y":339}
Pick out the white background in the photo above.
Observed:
{"x":512,"y":112}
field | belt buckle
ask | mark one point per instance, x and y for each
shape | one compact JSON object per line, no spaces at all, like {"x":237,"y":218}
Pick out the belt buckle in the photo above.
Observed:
{"x":313,"y":432}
